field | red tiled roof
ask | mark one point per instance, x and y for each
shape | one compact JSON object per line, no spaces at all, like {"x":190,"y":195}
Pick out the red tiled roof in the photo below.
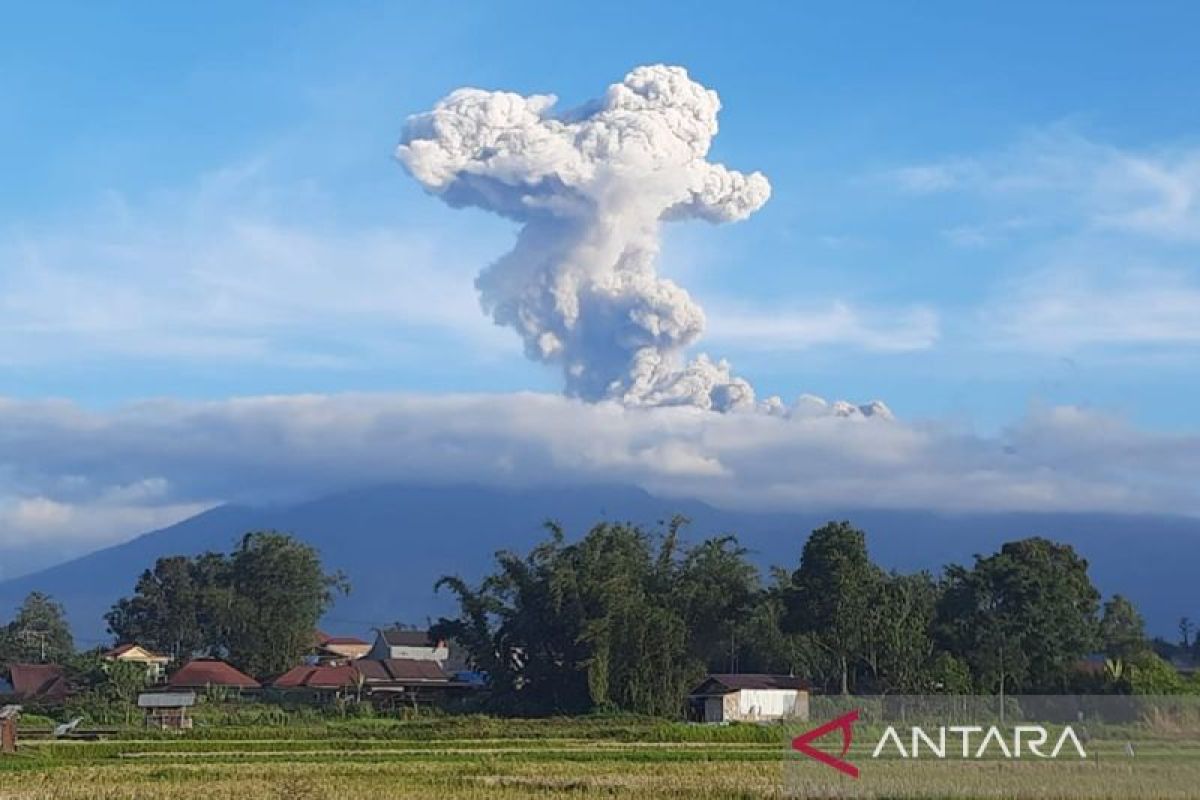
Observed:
{"x":210,"y":672}
{"x":319,"y":677}
{"x":38,"y":681}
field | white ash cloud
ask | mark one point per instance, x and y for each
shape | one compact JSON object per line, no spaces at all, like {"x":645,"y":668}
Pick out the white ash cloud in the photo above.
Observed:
{"x":591,"y":188}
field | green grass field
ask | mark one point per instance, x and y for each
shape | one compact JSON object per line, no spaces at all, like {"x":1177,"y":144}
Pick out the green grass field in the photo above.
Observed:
{"x":486,"y":758}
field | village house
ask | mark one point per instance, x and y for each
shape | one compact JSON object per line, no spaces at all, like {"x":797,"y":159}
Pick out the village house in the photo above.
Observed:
{"x":38,"y":683}
{"x":167,"y":711}
{"x":749,"y":698}
{"x":202,"y":674}
{"x":321,"y":682}
{"x":155,"y":664}
{"x":337,"y":649}
{"x":415,"y":645}
{"x":385,"y":682}
{"x":408,"y":644}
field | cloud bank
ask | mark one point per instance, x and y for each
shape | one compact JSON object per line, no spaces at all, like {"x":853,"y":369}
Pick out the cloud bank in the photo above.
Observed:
{"x":590,"y":188}
{"x":74,"y":479}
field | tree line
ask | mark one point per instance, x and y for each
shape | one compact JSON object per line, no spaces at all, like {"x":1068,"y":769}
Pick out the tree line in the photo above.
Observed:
{"x":627,"y":618}
{"x":630,"y":619}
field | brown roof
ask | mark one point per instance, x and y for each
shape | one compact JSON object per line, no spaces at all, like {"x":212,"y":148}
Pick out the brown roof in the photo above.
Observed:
{"x":38,"y":681}
{"x":726,"y":683}
{"x":399,"y":670}
{"x":210,"y":672}
{"x":401,"y":637}
{"x":319,"y":677}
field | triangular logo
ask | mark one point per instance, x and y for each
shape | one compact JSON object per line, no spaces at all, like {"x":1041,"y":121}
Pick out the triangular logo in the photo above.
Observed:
{"x":845,"y":723}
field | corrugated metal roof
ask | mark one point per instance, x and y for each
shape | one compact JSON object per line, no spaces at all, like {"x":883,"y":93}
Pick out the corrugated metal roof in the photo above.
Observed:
{"x":725,"y":683}
{"x":166,"y":700}
{"x":399,"y":637}
{"x":401,"y":670}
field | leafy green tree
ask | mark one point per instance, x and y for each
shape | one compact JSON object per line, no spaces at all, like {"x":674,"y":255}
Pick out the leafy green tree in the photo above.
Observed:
{"x":275,"y":591}
{"x":619,"y":619}
{"x":256,"y":606}
{"x":1122,"y":630}
{"x":1151,"y":675}
{"x":831,"y":595}
{"x":171,"y":608}
{"x":39,"y":632}
{"x":1022,"y":617}
{"x":764,"y":645}
{"x":900,"y":644}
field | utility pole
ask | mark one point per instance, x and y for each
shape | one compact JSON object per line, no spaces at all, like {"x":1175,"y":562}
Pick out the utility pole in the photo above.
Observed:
{"x":29,"y":636}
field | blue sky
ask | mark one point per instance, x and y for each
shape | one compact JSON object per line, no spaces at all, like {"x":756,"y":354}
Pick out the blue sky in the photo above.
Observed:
{"x":113,"y":117}
{"x":978,"y":215}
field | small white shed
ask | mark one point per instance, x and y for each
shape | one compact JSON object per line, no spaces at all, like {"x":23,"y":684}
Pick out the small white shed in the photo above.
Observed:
{"x":750,"y":698}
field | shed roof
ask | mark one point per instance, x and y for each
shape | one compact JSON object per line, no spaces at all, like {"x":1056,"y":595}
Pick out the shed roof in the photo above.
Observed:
{"x":204,"y":672}
{"x":725,"y":683}
{"x":166,"y":699}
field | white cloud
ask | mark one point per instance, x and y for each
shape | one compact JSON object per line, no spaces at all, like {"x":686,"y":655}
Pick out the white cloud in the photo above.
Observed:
{"x":1058,"y":177}
{"x":217,"y":274}
{"x":1062,"y":310}
{"x":69,"y":473}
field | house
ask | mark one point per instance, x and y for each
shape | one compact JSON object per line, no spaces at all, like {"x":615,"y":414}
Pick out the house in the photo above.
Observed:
{"x":385,"y":682}
{"x":167,"y":711}
{"x":155,"y":664}
{"x":407,"y":681}
{"x":334,"y":649}
{"x":750,"y":698}
{"x":408,"y":644}
{"x":322,"y":682}
{"x":204,"y":673}
{"x":40,"y":683}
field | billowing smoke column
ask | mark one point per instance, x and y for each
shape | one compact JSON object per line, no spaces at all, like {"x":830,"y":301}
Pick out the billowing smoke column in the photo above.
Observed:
{"x":591,"y":188}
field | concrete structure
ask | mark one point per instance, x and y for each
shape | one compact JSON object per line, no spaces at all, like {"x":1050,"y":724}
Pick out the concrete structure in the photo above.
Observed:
{"x":409,"y":645}
{"x":749,"y":698}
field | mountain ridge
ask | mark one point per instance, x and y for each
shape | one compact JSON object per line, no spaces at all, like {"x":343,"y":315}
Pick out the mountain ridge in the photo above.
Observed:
{"x":394,"y":541}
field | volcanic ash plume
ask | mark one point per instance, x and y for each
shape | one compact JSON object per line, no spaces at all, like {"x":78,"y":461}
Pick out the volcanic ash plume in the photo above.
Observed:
{"x":590,"y":188}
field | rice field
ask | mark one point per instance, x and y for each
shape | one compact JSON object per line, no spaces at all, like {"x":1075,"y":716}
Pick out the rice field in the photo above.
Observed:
{"x":556,"y":759}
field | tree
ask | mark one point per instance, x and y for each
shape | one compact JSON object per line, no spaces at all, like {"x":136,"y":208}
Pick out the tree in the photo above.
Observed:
{"x":619,"y":619}
{"x":831,"y":595}
{"x":900,"y":645}
{"x":257,"y":606}
{"x":171,"y":608}
{"x":1122,"y":630}
{"x":39,"y":632}
{"x":1022,"y":617}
